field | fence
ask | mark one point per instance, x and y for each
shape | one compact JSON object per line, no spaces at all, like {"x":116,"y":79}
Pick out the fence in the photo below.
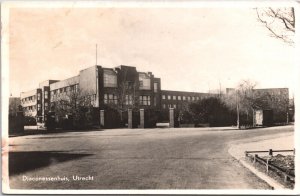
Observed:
{"x":268,"y":165}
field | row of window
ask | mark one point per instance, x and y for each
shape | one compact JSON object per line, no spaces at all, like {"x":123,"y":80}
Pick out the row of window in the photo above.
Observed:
{"x":174,"y":97}
{"x":113,"y":99}
{"x":31,"y":98}
{"x":169,"y":106}
{"x":72,"y":88}
{"x":30,"y":108}
{"x":33,"y":108}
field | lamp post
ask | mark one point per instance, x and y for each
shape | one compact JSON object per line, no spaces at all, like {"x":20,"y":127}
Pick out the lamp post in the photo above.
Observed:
{"x":237,"y":110}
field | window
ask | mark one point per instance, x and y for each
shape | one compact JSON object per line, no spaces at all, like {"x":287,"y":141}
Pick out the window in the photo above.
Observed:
{"x":105,"y":98}
{"x":128,"y":100}
{"x":110,"y":98}
{"x":110,"y":78}
{"x":46,"y":106}
{"x":52,"y":94}
{"x":163,"y":97}
{"x":169,"y":97}
{"x":188,"y":98}
{"x":46,"y":94}
{"x":164,"y":106}
{"x":76,"y":87}
{"x":145,"y":100}
{"x":179,"y":97}
{"x":174,"y":106}
{"x":174,"y":97}
{"x":183,"y":98}
{"x":39,"y":96}
{"x":145,"y":82}
{"x":193,"y":98}
{"x":155,"y":87}
{"x":39,"y":107}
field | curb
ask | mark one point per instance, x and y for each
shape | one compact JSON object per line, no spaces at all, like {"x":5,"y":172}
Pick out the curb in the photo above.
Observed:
{"x":273,"y":183}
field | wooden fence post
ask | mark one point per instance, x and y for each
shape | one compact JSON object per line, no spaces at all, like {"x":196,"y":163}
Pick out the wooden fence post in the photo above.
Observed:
{"x":267,"y":165}
{"x":255,"y":157}
{"x":270,"y":152}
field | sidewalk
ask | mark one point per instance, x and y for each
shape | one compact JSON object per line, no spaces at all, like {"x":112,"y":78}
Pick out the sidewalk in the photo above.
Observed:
{"x":276,"y":142}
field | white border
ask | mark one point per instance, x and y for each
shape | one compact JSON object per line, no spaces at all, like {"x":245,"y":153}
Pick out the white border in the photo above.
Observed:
{"x":138,"y":4}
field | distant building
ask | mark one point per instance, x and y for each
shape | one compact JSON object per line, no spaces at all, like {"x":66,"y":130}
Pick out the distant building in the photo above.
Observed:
{"x":273,"y":103}
{"x":177,"y":99}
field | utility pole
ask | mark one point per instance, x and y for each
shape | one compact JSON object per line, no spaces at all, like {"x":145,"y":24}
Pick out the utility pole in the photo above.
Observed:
{"x":96,"y":53}
{"x":237,"y":110}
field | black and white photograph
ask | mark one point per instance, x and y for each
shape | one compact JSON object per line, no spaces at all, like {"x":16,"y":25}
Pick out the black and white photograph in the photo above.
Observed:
{"x":144,"y":97}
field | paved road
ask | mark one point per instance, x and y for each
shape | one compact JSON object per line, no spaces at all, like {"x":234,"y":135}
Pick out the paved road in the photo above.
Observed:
{"x":183,"y":158}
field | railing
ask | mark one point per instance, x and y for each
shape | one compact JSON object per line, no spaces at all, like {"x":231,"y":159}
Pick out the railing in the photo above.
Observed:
{"x":270,"y":151}
{"x":287,"y":175}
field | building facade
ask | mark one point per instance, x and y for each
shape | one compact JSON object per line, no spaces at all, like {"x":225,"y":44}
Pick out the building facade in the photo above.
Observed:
{"x":122,"y":88}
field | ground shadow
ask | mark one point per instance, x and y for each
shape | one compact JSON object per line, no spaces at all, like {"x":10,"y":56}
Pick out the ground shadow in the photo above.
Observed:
{"x":43,"y":131}
{"x":20,"y":162}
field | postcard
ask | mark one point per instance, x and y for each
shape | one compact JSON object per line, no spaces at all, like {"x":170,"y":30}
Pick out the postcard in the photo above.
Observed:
{"x":149,"y":97}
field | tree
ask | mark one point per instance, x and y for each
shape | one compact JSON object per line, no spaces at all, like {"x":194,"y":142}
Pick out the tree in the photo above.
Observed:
{"x":242,"y":100}
{"x":210,"y":110}
{"x":74,"y":105}
{"x":279,"y":21}
{"x":126,"y":95}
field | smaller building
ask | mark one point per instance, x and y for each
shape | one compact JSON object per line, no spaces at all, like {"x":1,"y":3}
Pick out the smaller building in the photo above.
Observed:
{"x":263,"y":117}
{"x":177,"y":99}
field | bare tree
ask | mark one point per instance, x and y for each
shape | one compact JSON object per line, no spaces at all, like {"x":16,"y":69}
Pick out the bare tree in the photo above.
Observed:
{"x":279,"y":21}
{"x":125,"y":95}
{"x":73,"y":102}
{"x":241,"y":99}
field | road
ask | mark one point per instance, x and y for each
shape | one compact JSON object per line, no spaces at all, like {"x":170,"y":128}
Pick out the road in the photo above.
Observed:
{"x":182,"y":158}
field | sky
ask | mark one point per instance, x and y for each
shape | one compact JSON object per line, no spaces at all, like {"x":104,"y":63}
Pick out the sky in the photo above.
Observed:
{"x":190,"y":49}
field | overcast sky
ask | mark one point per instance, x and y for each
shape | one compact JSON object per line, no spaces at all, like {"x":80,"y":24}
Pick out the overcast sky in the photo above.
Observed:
{"x":190,"y":49}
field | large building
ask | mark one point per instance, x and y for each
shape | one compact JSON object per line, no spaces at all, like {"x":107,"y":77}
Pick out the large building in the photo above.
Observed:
{"x":122,"y":86}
